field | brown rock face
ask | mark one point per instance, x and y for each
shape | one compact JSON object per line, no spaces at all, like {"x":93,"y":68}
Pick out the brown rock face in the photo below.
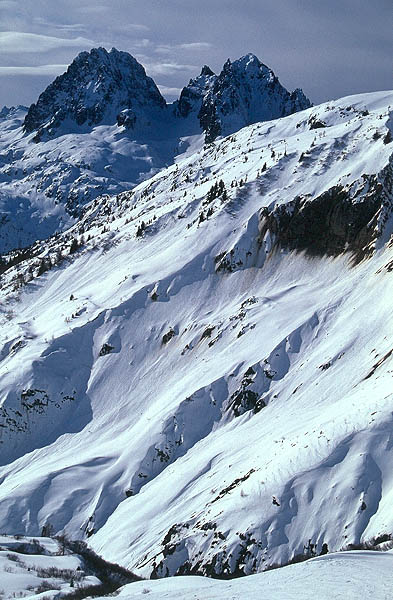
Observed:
{"x":342,"y":219}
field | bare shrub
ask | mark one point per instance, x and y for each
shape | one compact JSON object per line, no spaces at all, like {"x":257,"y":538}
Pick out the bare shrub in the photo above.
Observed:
{"x":14,"y":558}
{"x":46,"y":586}
{"x":55,"y":573}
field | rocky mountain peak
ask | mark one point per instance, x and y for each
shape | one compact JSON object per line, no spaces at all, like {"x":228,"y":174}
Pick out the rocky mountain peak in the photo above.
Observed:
{"x":206,"y":71}
{"x":246,"y":91}
{"x":248,"y":66}
{"x":8,"y":111}
{"x":101,"y":87}
{"x":193,"y":94}
{"x":96,"y":87}
{"x":299,"y":100}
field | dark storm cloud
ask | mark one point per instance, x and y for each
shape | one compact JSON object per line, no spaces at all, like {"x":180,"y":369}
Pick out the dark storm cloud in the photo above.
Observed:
{"x":329,"y":48}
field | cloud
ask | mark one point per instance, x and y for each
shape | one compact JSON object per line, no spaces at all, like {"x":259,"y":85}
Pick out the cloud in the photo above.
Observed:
{"x":163,"y":49}
{"x":126,"y":27}
{"x":142,"y":43}
{"x":15,"y":42}
{"x":169,"y":68}
{"x":39,"y":70}
{"x":8,"y":4}
{"x":95,"y":9}
{"x":169,"y":91}
{"x":195,"y":46}
{"x":62,"y":27}
{"x":192,"y":47}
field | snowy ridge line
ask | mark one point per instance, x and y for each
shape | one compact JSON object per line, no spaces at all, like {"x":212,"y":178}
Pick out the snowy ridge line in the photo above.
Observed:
{"x":326,"y":576}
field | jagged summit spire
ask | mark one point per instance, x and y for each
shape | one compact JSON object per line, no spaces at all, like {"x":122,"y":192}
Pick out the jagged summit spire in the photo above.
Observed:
{"x":249,"y":58}
{"x":249,"y":63}
{"x":206,"y":71}
{"x":96,"y":87}
{"x":246,"y":91}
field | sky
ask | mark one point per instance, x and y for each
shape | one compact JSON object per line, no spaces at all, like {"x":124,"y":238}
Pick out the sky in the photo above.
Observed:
{"x":329,"y":48}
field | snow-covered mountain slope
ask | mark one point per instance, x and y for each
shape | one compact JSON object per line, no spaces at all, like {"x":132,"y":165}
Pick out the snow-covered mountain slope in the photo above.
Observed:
{"x":103,"y":127}
{"x":197,"y":375}
{"x":341,"y":576}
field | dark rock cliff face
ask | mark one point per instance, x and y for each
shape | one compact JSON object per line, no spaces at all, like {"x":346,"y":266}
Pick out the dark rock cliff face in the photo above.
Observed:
{"x":343,"y":219}
{"x":95,"y":88}
{"x":192,"y":95}
{"x":349,"y":219}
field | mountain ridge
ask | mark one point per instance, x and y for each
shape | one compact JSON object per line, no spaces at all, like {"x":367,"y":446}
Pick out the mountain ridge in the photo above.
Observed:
{"x":114,"y":72}
{"x":103,"y":127}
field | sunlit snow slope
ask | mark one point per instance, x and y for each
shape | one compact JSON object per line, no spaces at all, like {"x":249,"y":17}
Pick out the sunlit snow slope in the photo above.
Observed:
{"x":342,"y":576}
{"x":205,"y":384}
